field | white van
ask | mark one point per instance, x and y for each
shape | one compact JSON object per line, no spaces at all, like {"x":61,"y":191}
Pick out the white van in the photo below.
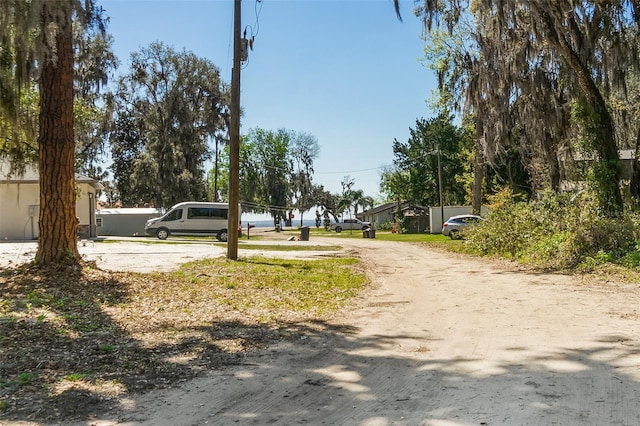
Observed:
{"x":192,"y":218}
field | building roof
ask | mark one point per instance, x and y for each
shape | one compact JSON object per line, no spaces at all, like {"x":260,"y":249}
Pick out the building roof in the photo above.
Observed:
{"x":415,"y":210}
{"x":380,"y":208}
{"x":624,"y":154}
{"x":129,"y":211}
{"x":394,"y":206}
{"x":31,"y":175}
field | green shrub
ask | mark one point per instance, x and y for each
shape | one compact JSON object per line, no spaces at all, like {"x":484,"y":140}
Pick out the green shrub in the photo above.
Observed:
{"x":387,"y":225}
{"x":555,"y":231}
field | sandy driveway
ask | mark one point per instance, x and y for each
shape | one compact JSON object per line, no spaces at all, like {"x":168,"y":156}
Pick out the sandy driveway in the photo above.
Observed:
{"x":439,"y":340}
{"x":141,"y":254}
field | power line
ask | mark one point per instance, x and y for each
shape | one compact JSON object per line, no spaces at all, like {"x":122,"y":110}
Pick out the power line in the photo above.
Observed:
{"x":349,"y":171}
{"x":266,"y":207}
{"x":409,"y":161}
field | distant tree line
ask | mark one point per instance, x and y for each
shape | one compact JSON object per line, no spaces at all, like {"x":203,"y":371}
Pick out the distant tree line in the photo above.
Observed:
{"x":535,"y":86}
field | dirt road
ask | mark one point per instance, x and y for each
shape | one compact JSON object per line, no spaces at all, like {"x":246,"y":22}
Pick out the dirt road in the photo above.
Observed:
{"x":440,"y":340}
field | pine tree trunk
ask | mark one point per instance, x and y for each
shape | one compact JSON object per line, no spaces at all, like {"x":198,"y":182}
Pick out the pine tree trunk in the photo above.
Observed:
{"x":58,"y":224}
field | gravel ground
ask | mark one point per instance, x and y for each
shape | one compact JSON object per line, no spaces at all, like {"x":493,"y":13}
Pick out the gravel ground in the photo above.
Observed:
{"x":147,"y":254}
{"x":143,"y":255}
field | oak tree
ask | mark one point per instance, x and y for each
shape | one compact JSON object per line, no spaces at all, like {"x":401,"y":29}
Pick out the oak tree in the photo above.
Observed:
{"x":543,"y":73}
{"x":168,"y":108}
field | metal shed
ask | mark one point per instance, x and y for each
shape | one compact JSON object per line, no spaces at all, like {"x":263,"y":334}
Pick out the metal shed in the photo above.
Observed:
{"x":124,"y":222}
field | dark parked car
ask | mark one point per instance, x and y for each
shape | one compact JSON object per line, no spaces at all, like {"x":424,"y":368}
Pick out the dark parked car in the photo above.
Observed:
{"x":454,"y":224}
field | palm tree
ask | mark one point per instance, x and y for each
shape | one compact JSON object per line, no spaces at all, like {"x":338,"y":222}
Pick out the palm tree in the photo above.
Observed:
{"x":353,"y":199}
{"x":358,"y":199}
{"x":344,"y":204}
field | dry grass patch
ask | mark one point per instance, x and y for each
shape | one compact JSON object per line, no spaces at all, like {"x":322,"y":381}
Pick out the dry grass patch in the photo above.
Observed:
{"x":71,"y":342}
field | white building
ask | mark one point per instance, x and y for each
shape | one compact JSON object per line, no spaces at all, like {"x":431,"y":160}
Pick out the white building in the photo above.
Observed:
{"x":20,"y":204}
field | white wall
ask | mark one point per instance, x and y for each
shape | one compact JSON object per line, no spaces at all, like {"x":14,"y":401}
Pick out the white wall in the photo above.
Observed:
{"x":436,"y":218}
{"x":19,"y":209}
{"x":16,"y":223}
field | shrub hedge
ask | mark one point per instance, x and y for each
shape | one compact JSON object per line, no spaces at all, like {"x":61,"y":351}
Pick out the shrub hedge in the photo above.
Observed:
{"x":556,"y":231}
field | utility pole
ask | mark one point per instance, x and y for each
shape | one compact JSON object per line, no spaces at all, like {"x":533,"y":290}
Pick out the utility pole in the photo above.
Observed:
{"x":440,"y":188}
{"x":437,"y":152}
{"x":234,"y":144}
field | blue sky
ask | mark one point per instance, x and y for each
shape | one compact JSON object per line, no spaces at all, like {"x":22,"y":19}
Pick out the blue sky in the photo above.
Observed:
{"x":347,"y":72}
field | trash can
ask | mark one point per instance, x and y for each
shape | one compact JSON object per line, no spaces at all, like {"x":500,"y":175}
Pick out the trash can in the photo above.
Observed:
{"x":304,"y":233}
{"x":372,"y":233}
{"x":365,"y":233}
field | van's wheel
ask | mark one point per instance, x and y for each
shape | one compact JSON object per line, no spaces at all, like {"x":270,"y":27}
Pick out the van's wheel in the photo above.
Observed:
{"x":454,"y":235}
{"x":162,"y":233}
{"x":338,"y":229}
{"x":222,"y":235}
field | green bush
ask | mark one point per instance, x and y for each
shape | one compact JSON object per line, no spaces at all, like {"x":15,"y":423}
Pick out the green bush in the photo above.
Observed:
{"x":397,"y":224}
{"x":555,"y":231}
{"x":387,"y":225}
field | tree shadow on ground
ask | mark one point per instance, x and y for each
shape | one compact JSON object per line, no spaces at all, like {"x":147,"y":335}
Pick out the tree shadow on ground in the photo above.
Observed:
{"x":325,"y":374}
{"x":353,"y":380}
{"x":64,"y":359}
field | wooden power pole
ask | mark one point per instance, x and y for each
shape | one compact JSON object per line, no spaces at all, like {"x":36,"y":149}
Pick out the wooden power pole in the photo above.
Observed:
{"x":234,"y":144}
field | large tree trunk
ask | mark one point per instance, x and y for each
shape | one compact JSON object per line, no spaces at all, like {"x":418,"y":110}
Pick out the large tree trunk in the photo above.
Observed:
{"x":601,"y":128}
{"x":551,"y":156}
{"x":58,"y":222}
